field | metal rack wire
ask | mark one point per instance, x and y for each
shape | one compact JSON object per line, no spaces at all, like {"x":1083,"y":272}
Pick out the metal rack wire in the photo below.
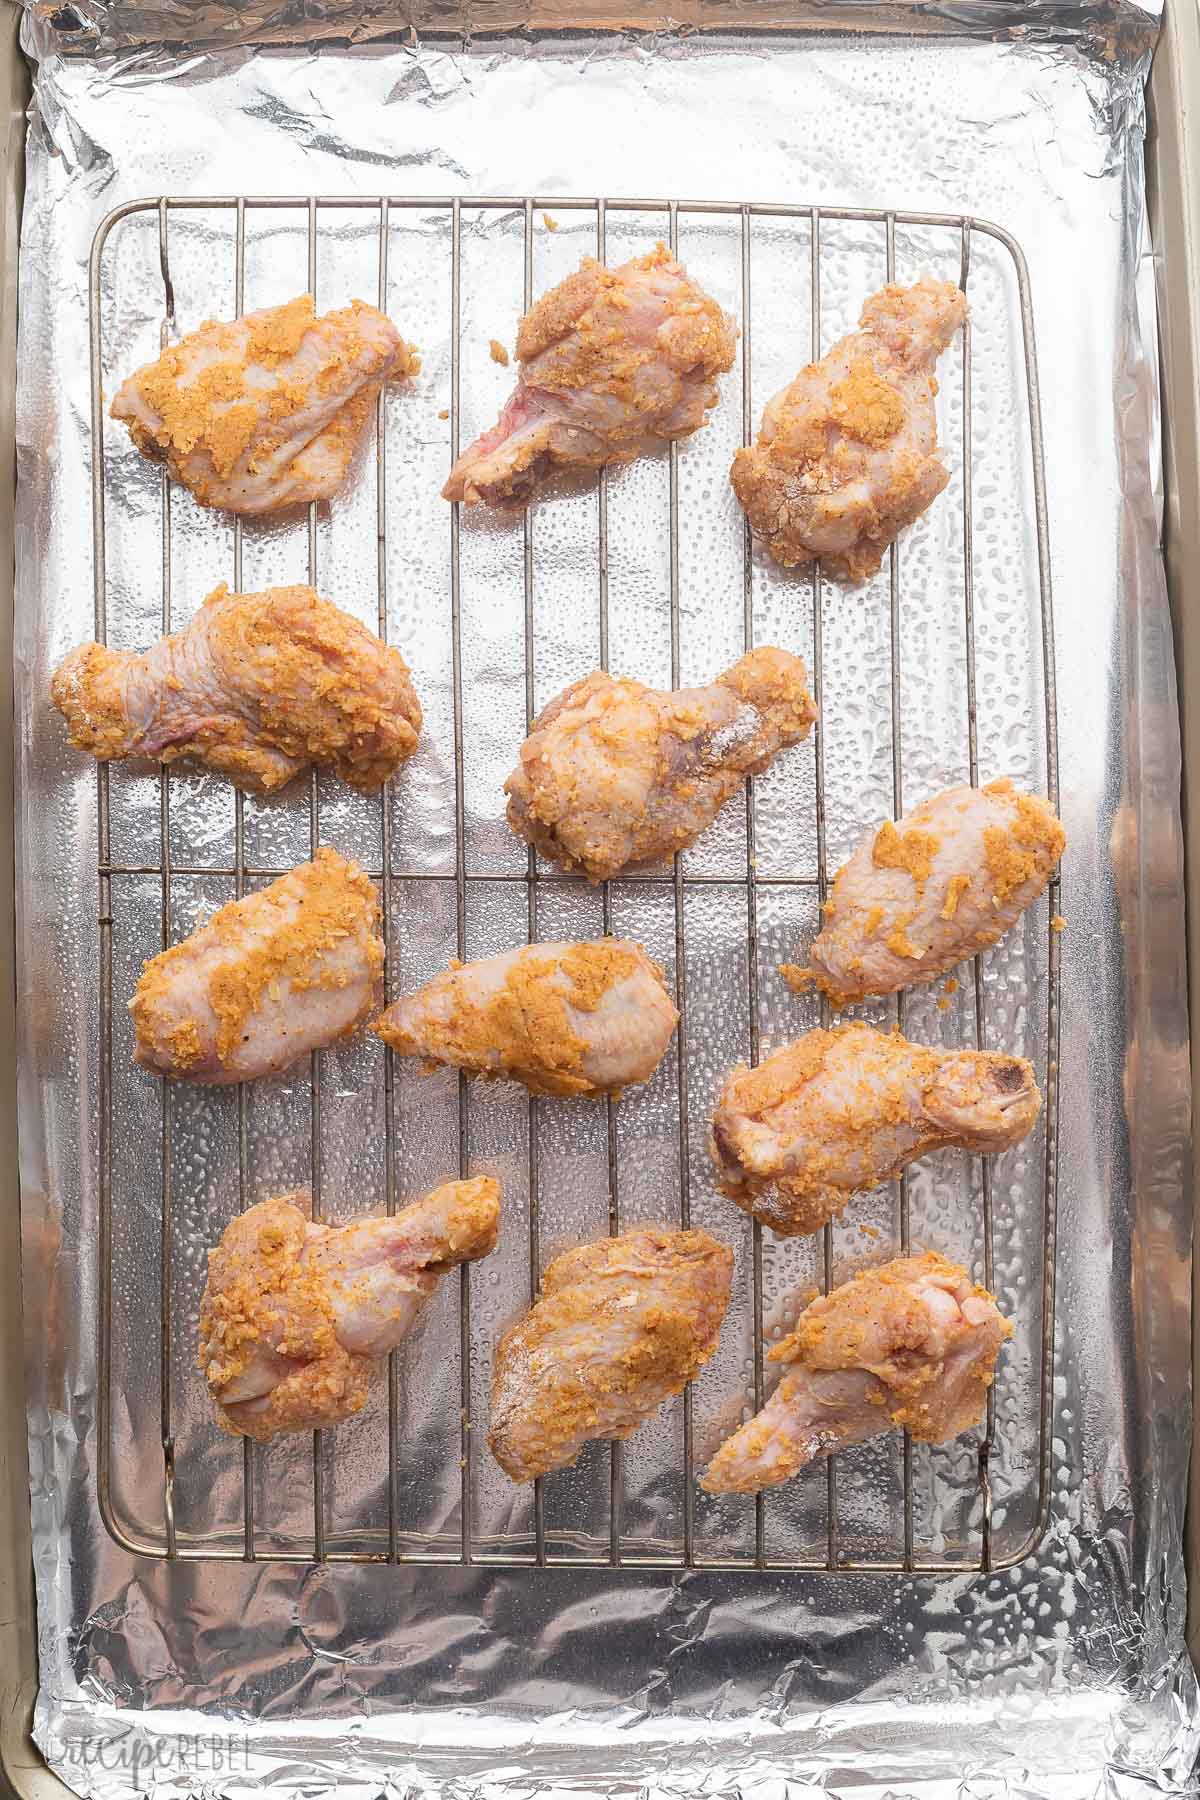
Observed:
{"x":541,"y":1550}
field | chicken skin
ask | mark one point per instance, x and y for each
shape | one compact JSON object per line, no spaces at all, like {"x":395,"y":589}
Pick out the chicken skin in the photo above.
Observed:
{"x":296,"y":1314}
{"x":266,"y":980}
{"x":620,"y":1327}
{"x":590,"y":1018}
{"x":944,"y":883}
{"x":911,"y":1344}
{"x":614,"y":774}
{"x":613,"y":364}
{"x":847,"y":456}
{"x":257,"y":687}
{"x":840,"y":1111}
{"x":264,"y":412}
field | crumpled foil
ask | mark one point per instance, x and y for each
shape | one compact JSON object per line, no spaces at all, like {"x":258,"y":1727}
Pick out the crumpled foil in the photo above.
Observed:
{"x":1061,"y":1675}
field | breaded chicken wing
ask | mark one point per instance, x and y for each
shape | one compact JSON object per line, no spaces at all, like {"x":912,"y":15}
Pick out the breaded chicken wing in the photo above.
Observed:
{"x":911,"y":1344}
{"x":295,"y":1314}
{"x":257,"y":687}
{"x":268,"y":979}
{"x":621,"y":1326}
{"x":614,"y":363}
{"x":614,"y":774}
{"x":590,"y":1018}
{"x":839,"y":1111}
{"x":264,"y":412}
{"x":847,"y":455}
{"x":944,"y":883}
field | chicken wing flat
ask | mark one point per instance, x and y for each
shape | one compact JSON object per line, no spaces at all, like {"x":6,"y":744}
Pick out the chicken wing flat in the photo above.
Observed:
{"x":911,"y":1344}
{"x":614,"y":774}
{"x":847,"y":455}
{"x":944,"y":883}
{"x":296,"y":1314}
{"x":840,"y":1111}
{"x":258,"y":687}
{"x":620,"y":1327}
{"x":264,"y":412}
{"x":614,"y":363}
{"x":586,"y":1018}
{"x":267,"y":979}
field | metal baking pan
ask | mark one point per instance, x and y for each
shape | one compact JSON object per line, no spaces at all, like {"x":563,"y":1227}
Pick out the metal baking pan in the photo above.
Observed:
{"x":154,"y":1531}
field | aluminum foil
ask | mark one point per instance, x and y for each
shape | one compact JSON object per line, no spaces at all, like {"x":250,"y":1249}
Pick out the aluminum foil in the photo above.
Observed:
{"x":1061,"y":1675}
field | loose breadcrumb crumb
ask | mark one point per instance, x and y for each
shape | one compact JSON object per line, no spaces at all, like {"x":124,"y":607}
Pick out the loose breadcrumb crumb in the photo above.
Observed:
{"x":498,"y":353}
{"x":1058,"y":923}
{"x":549,"y":223}
{"x":445,"y":413}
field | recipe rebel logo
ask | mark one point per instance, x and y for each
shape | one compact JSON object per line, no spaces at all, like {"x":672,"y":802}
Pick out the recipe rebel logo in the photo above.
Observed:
{"x":190,"y":1758}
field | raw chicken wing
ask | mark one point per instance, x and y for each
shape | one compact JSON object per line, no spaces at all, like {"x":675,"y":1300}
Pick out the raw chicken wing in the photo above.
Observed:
{"x":257,"y":687}
{"x":264,"y":412}
{"x":621,"y":1326}
{"x":946,"y":882}
{"x":847,"y":455}
{"x":268,"y":979}
{"x":911,"y":1344}
{"x":840,"y":1111}
{"x":614,"y":363}
{"x":562,"y":1018}
{"x":296,"y":1313}
{"x":614,"y":773}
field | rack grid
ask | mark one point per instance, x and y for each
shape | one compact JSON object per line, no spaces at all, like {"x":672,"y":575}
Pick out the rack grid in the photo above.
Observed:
{"x":543,"y":1547}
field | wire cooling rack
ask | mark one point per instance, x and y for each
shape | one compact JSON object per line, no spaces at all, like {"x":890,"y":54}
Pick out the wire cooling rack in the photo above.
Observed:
{"x":951,"y":646}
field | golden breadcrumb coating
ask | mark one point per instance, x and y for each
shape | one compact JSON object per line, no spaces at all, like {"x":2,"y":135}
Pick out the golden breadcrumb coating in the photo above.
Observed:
{"x":847,"y":454}
{"x":265,"y":411}
{"x":621,"y":1326}
{"x":257,"y":687}
{"x":838,"y":1111}
{"x":613,"y":364}
{"x":615,"y":774}
{"x":563,"y":1018}
{"x":267,"y":979}
{"x":296,"y":1314}
{"x":912,"y":1344}
{"x":943,"y":884}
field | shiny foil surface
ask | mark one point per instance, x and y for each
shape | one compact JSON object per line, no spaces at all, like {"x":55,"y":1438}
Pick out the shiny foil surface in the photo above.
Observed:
{"x":192,"y":1640}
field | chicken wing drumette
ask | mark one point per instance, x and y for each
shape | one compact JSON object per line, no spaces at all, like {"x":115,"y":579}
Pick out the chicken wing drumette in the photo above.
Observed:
{"x":614,"y":363}
{"x":266,"y":980}
{"x":296,"y":1314}
{"x":590,"y":1018}
{"x":257,"y":687}
{"x":847,"y":455}
{"x":614,"y":773}
{"x":621,"y":1326}
{"x":911,"y":1344}
{"x":265,"y":411}
{"x":944,"y":883}
{"x":839,"y":1111}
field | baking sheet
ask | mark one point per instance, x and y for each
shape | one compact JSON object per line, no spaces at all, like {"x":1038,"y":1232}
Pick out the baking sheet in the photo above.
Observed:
{"x":1051,"y":1677}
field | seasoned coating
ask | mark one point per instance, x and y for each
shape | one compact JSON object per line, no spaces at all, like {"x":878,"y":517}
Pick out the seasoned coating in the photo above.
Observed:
{"x":944,"y":883}
{"x":847,"y":455}
{"x":265,"y":412}
{"x":563,"y":1018}
{"x":839,"y":1111}
{"x":911,"y":1344}
{"x":257,"y":687}
{"x":295,"y":1314}
{"x":621,"y":1326}
{"x":614,"y":363}
{"x":266,"y":980}
{"x":614,"y":774}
